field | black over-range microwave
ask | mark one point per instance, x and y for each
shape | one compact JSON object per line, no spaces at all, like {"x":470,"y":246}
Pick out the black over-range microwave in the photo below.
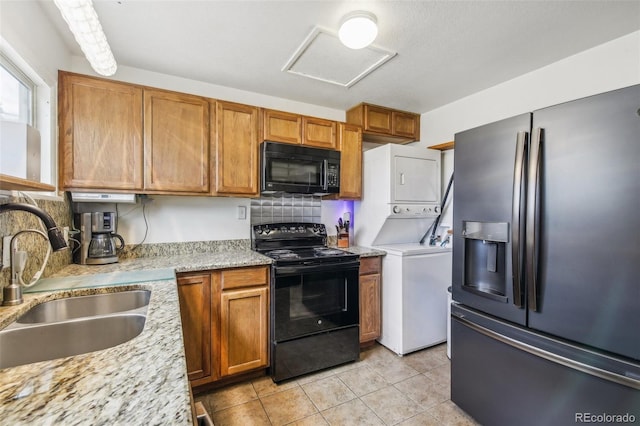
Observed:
{"x":298,"y":169}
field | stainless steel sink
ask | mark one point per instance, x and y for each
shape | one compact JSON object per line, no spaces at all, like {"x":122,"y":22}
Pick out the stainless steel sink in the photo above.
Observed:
{"x":73,"y":326}
{"x":42,"y":342}
{"x":85,"y":306}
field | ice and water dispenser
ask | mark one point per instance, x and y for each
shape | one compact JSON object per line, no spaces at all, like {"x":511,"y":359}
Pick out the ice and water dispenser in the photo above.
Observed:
{"x":485,"y":258}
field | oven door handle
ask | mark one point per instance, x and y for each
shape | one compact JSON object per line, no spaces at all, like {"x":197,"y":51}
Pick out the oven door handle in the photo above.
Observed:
{"x":317,"y":267}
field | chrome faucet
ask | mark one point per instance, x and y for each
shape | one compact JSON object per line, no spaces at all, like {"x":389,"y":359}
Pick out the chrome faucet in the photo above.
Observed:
{"x":12,"y":294}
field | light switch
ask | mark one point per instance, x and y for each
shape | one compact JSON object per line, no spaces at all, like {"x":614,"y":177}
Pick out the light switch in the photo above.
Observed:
{"x":241,"y":212}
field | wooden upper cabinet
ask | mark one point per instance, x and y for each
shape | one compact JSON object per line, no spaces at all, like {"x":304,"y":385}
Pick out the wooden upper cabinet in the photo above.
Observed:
{"x":281,"y":126}
{"x":406,"y":124}
{"x":319,"y":133}
{"x":350,"y":141}
{"x":236,"y":149}
{"x":100,"y":140}
{"x":176,"y":142}
{"x":385,"y":125}
{"x":377,"y":119}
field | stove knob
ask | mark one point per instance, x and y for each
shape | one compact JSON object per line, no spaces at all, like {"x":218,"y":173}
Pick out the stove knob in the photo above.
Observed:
{"x":259,"y":230}
{"x":435,"y":209}
{"x":396,"y":209}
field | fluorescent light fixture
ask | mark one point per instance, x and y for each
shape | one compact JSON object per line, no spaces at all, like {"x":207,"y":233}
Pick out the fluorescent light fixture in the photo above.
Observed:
{"x":358,"y":29}
{"x":85,"y":26}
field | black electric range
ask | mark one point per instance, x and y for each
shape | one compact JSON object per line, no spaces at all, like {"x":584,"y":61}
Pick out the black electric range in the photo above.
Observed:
{"x":314,"y":305}
{"x":297,"y":243}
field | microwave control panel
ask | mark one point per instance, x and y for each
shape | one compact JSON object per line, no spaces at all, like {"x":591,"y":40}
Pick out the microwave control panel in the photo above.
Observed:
{"x":333,"y":175}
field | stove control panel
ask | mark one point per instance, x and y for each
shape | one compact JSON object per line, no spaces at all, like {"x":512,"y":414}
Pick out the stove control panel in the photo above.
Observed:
{"x":289,"y":230}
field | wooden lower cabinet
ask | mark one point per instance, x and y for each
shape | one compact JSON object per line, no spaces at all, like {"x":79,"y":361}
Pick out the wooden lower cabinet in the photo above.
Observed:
{"x":370,"y":303}
{"x":194,"y":294}
{"x":225,"y":317}
{"x":243,"y":330}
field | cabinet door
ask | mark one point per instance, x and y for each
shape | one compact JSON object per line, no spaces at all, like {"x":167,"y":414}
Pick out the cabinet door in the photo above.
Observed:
{"x":176,"y":142}
{"x":282,"y":126}
{"x":369,"y":307}
{"x":244,"y":328}
{"x":100,"y":134}
{"x":377,"y":119}
{"x":236,"y":149}
{"x":319,"y":133}
{"x":370,"y":302}
{"x":350,"y":161}
{"x":405,"y":124}
{"x":194,"y":294}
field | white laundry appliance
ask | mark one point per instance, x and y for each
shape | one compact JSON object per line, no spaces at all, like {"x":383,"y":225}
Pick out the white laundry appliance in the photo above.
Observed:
{"x":400,"y":202}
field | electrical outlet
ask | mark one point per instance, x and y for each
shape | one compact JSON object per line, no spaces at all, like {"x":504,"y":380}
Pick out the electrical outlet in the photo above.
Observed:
{"x":6,"y":251}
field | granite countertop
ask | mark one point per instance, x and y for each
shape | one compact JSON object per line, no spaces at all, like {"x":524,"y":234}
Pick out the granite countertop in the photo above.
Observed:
{"x":141,"y":381}
{"x":365,"y":251}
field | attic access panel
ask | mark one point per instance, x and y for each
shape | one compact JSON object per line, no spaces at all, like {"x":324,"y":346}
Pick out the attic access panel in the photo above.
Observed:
{"x":322,"y":56}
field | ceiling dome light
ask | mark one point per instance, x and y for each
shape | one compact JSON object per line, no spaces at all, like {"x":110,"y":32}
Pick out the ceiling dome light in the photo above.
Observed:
{"x":358,"y":29}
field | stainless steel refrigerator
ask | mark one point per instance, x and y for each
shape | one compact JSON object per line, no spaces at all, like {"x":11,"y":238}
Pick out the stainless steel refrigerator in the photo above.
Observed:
{"x":546,"y":265}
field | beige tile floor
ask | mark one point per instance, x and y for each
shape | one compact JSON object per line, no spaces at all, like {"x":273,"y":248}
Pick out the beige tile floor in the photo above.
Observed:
{"x":379,"y":389}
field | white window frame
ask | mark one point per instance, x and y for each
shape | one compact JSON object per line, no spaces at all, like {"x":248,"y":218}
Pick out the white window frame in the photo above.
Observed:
{"x":44,"y":117}
{"x":19,"y":75}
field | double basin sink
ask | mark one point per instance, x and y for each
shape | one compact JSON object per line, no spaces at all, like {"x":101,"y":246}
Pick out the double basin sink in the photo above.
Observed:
{"x":73,"y":326}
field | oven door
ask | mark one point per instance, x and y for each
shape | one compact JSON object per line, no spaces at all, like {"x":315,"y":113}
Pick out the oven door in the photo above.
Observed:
{"x":312,"y":298}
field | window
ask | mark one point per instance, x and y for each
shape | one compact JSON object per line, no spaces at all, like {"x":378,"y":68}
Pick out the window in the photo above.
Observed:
{"x":26,"y":98}
{"x":16,"y":94}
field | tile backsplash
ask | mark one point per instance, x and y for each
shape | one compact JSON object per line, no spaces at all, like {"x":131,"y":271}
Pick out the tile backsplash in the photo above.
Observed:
{"x":286,"y":208}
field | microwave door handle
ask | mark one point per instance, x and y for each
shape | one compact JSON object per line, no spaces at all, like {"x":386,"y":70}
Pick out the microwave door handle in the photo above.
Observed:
{"x":323,"y":176}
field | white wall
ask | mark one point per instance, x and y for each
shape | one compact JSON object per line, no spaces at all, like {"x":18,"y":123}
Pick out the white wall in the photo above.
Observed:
{"x":610,"y":66}
{"x":179,"y":84}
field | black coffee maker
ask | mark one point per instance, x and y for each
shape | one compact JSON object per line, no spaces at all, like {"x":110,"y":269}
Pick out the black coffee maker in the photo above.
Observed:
{"x":98,"y":240}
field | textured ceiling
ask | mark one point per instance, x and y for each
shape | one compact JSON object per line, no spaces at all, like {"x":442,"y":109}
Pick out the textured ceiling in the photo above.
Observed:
{"x":446,"y":49}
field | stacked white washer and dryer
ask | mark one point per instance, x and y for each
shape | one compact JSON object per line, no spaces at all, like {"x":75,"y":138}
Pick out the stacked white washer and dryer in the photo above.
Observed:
{"x":400,"y":202}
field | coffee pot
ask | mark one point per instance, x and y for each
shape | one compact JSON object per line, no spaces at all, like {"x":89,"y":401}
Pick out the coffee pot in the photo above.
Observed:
{"x":98,"y":241}
{"x":104,"y":245}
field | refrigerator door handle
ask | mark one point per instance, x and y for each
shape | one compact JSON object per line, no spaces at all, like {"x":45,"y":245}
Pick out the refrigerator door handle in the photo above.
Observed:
{"x":550,"y":356}
{"x":519,"y":170}
{"x":533,"y":218}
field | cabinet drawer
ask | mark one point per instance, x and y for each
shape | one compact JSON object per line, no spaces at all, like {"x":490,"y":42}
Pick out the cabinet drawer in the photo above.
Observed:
{"x":244,"y":277}
{"x":370,"y":265}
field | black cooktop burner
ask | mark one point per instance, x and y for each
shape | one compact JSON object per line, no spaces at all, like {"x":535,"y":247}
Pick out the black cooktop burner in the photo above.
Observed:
{"x":304,"y":253}
{"x":292,"y":243}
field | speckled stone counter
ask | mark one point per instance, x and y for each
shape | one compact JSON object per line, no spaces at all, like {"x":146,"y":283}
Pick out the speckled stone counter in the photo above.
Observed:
{"x":142,"y":381}
{"x":365,"y":251}
{"x":180,"y":263}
